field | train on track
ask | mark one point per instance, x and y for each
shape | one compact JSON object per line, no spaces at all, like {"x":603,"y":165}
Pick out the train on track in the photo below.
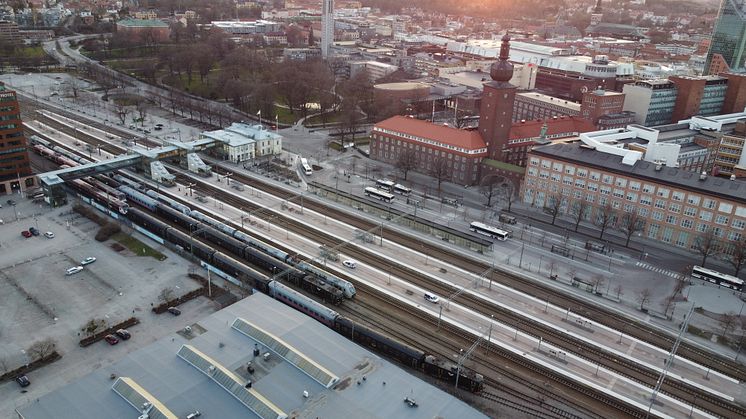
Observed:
{"x":236,"y":240}
{"x":89,"y":186}
{"x":415,"y":358}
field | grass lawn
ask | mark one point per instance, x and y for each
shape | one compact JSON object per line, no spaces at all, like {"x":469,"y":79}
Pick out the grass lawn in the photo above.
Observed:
{"x":284,"y":116}
{"x":137,"y":247}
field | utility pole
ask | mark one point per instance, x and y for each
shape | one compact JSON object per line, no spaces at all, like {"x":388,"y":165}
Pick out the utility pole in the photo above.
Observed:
{"x":669,"y":360}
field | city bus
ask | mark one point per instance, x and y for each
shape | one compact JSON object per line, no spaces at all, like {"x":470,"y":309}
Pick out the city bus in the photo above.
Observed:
{"x":305,"y":166}
{"x":385,"y":184}
{"x":375,"y":193}
{"x":402,"y":190}
{"x":725,"y":280}
{"x":493,"y":232}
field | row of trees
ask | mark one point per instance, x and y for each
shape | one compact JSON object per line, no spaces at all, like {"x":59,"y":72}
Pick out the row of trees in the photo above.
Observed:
{"x":706,"y":244}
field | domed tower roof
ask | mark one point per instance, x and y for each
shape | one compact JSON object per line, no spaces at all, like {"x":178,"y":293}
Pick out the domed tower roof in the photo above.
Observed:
{"x":501,"y":71}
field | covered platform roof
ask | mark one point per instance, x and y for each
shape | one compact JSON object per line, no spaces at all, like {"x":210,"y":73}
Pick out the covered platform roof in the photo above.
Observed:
{"x":183,"y":388}
{"x":59,"y":176}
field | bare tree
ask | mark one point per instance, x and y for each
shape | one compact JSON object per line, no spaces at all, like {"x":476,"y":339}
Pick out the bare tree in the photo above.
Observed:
{"x":508,"y":193}
{"x":727,"y":322}
{"x":407,"y":161}
{"x":42,"y":348}
{"x":440,"y":170}
{"x":166,"y":294}
{"x":571,"y":274}
{"x":619,"y":291}
{"x":643,"y":297}
{"x":122,"y":111}
{"x":631,"y":223}
{"x":737,"y":257}
{"x":605,"y":217}
{"x":667,"y":303}
{"x":579,"y":211}
{"x":488,"y":187}
{"x":554,"y":205}
{"x":72,"y":87}
{"x":142,"y":111}
{"x":707,"y":244}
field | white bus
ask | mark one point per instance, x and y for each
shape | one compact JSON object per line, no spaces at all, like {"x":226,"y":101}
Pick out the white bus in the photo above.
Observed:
{"x":493,"y":232}
{"x":725,"y":280}
{"x":375,"y":193}
{"x":305,"y":166}
{"x":402,"y":190}
{"x":385,"y":184}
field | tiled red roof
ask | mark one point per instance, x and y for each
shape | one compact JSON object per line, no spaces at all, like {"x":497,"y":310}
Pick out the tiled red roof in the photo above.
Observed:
{"x":470,"y":140}
{"x":561,"y":125}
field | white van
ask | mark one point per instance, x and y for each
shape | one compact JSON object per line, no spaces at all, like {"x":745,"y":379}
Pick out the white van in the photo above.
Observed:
{"x":432,"y":297}
{"x":350,"y":263}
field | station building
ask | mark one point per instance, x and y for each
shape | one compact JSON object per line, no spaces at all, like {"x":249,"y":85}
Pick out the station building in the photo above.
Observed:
{"x":242,"y":142}
{"x":257,"y":358}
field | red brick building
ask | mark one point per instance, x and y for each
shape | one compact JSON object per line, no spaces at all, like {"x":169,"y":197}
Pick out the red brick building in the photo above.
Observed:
{"x":148,"y":30}
{"x":598,"y":103}
{"x":426,"y":147}
{"x":526,"y":134}
{"x":14,"y":159}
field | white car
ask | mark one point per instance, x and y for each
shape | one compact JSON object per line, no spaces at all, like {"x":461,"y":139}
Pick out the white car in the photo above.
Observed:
{"x":432,"y":298}
{"x":49,"y":235}
{"x":73,"y":270}
{"x":350,"y":263}
{"x":88,"y":260}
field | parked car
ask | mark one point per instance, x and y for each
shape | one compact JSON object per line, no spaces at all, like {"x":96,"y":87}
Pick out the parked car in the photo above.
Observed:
{"x":23,"y":381}
{"x":73,"y":270}
{"x":49,"y":235}
{"x":175,"y":311}
{"x":11,"y":202}
{"x":26,"y":233}
{"x":157,"y":128}
{"x":33,"y":231}
{"x":111,"y":339}
{"x":123,"y":333}
{"x":88,"y":260}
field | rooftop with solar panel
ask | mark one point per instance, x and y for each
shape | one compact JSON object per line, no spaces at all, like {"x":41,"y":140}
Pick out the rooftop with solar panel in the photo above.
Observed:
{"x":256,"y":358}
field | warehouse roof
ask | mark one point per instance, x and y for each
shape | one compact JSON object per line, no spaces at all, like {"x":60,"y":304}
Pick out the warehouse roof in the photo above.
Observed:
{"x":206,"y":370}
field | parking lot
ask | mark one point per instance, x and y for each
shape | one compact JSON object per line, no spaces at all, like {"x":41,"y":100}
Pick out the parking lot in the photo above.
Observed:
{"x":37,"y":299}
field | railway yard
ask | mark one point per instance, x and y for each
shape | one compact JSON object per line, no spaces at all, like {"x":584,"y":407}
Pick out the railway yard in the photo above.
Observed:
{"x":542,"y":352}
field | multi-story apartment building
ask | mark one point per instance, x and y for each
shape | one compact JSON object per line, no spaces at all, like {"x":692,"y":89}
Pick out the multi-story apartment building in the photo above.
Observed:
{"x":15,"y":168}
{"x":677,"y":206}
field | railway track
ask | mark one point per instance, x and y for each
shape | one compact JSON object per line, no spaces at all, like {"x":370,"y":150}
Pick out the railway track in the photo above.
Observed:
{"x":678,"y":390}
{"x":674,"y":388}
{"x":549,"y":402}
{"x":579,"y":306}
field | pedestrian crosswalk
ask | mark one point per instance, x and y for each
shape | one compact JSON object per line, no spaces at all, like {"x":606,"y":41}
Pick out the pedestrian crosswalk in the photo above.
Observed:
{"x":661,"y":271}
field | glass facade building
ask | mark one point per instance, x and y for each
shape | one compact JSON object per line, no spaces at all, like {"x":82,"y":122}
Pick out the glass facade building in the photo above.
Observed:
{"x":729,"y":35}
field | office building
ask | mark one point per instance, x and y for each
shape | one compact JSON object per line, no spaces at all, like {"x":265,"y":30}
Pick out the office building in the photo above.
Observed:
{"x":327,"y":27}
{"x":599,"y":103}
{"x":15,"y":168}
{"x":426,"y":147}
{"x":530,"y":105}
{"x":728,"y":38}
{"x":698,"y":96}
{"x":652,"y":101}
{"x":677,"y":206}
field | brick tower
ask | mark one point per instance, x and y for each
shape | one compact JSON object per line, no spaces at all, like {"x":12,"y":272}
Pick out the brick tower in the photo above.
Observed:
{"x":496,"y":111}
